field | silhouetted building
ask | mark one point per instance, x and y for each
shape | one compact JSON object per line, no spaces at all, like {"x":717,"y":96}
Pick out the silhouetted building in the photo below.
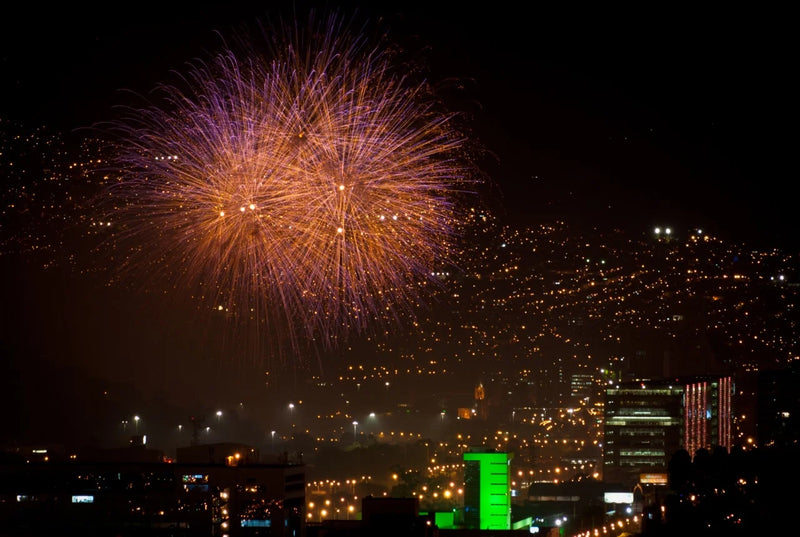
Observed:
{"x":583,"y":503}
{"x":379,"y":516}
{"x":108,"y":497}
{"x":778,"y":406}
{"x":647,"y":421}
{"x":227,"y":453}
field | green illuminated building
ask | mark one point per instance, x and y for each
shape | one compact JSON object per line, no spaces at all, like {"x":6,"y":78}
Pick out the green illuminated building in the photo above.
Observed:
{"x":487,"y":489}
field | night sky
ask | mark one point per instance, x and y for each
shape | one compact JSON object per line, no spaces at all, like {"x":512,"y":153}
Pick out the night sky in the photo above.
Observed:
{"x":627,"y":115}
{"x":604,"y":117}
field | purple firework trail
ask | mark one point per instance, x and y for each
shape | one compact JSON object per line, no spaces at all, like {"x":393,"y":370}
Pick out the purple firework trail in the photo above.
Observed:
{"x":310,"y":189}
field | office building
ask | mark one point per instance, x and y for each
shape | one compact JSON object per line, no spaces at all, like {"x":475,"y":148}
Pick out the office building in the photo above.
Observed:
{"x":230,"y":495}
{"x":487,"y":489}
{"x":647,"y":421}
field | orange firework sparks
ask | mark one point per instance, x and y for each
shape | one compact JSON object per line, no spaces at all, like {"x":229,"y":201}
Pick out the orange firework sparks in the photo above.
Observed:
{"x":309,"y":189}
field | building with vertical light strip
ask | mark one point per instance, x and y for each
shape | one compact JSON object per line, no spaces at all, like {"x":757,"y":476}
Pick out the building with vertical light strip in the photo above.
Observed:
{"x":487,"y":489}
{"x":647,"y":421}
{"x":707,"y":414}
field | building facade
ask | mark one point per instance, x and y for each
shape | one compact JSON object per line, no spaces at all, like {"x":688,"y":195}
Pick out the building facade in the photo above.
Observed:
{"x":647,"y":421}
{"x":778,"y":406}
{"x":487,"y":489}
{"x":232,"y":498}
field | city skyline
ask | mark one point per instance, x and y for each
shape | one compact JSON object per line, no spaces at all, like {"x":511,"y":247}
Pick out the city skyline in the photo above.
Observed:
{"x":607,"y":126}
{"x":538,"y":306}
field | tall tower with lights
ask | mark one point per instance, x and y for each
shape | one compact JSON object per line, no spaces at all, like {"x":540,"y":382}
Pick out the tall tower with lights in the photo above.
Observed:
{"x":487,"y":489}
{"x":480,"y":402}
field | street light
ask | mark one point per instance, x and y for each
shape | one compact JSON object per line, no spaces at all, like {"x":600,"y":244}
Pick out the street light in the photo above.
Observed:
{"x":355,"y":431}
{"x":219,"y":416}
{"x":136,"y":421}
{"x":291,"y":414}
{"x":272,"y":434}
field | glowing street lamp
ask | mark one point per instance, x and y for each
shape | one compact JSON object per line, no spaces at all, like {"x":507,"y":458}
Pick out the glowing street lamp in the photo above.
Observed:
{"x":136,"y":422}
{"x":355,"y":431}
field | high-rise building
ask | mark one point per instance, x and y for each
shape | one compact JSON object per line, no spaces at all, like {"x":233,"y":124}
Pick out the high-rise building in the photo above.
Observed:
{"x":585,"y":387}
{"x":778,"y":406}
{"x":480,"y":402}
{"x":647,"y":421}
{"x":487,"y":489}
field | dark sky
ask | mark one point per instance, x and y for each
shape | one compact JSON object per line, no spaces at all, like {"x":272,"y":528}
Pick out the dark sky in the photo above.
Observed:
{"x":623,"y":117}
{"x":632,"y":116}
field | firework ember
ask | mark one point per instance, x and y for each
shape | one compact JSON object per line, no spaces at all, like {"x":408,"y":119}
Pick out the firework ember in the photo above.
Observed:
{"x":309,"y":188}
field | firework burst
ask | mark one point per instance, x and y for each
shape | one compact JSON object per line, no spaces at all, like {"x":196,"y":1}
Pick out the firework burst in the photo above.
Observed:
{"x":309,"y":189}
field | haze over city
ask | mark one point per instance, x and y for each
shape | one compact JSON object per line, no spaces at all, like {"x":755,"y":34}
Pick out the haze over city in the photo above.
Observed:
{"x":594,"y":128}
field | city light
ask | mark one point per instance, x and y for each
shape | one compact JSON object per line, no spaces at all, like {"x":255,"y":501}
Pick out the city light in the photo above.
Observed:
{"x":284,"y":227}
